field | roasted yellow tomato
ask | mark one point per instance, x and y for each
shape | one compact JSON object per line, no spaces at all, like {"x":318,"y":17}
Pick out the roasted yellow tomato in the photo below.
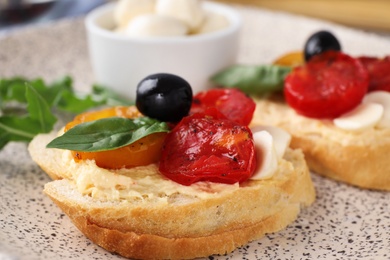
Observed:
{"x":145,"y":151}
{"x":291,"y":59}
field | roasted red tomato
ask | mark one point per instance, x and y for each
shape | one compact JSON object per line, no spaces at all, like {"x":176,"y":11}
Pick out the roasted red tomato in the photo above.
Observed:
{"x":378,"y":71}
{"x":232,"y":103}
{"x":329,"y":85}
{"x":208,"y":147}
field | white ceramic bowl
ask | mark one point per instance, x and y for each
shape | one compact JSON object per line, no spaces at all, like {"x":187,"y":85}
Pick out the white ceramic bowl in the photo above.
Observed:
{"x":121,"y":62}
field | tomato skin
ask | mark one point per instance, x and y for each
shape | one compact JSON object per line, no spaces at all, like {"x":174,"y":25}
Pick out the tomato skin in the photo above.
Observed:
{"x":329,"y":85}
{"x":378,"y":71}
{"x":208,"y":147}
{"x":232,"y":103}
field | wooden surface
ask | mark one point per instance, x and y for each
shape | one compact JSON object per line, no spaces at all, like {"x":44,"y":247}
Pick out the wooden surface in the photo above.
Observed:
{"x":364,"y":14}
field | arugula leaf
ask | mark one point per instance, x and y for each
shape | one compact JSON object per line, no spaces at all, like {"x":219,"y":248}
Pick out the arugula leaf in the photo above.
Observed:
{"x":39,"y":110}
{"x":53,"y":93}
{"x":14,"y":89}
{"x":110,"y":97}
{"x":25,"y":113}
{"x":59,"y":94}
{"x":257,"y":79}
{"x":24,"y":128}
{"x":107,"y":134}
{"x":4,"y":139}
{"x":14,"y":128}
{"x":74,"y":103}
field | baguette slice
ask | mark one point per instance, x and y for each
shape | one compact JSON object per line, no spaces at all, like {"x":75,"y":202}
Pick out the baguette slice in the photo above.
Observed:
{"x":195,"y":221}
{"x":357,"y":158}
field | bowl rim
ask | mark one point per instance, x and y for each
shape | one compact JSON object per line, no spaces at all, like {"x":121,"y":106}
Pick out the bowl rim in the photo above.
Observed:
{"x":232,"y":15}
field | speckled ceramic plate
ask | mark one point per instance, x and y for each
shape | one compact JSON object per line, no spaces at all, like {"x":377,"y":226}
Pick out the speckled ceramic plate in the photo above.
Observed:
{"x":344,"y":222}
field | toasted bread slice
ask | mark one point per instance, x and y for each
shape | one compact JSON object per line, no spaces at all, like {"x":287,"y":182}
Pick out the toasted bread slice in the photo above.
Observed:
{"x":156,"y":218}
{"x":357,"y":158}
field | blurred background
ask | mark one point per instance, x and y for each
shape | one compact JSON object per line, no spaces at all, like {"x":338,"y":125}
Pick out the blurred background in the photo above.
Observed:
{"x":372,"y":15}
{"x":18,"y":13}
{"x":363,"y":14}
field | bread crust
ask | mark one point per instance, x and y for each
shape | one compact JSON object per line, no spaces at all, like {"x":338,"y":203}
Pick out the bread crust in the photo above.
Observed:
{"x":359,"y":159}
{"x":365,"y":167}
{"x":197,"y":228}
{"x":150,"y":246}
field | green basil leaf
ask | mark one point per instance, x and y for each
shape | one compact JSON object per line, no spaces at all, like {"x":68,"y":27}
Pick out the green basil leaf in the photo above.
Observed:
{"x":107,"y":134}
{"x":253,"y":79}
{"x":39,"y":110}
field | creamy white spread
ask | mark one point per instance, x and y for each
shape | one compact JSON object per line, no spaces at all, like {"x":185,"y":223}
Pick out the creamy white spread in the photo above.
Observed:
{"x":279,"y":114}
{"x":139,"y":183}
{"x":147,"y":183}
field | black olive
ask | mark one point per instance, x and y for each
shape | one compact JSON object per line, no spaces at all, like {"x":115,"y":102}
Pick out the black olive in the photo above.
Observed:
{"x":320,"y":42}
{"x":164,"y":96}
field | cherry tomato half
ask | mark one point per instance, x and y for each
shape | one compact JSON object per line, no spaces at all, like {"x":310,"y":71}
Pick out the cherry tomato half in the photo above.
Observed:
{"x":145,"y":151}
{"x":329,"y":85}
{"x":378,"y":71}
{"x":232,"y":103}
{"x":208,"y":147}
